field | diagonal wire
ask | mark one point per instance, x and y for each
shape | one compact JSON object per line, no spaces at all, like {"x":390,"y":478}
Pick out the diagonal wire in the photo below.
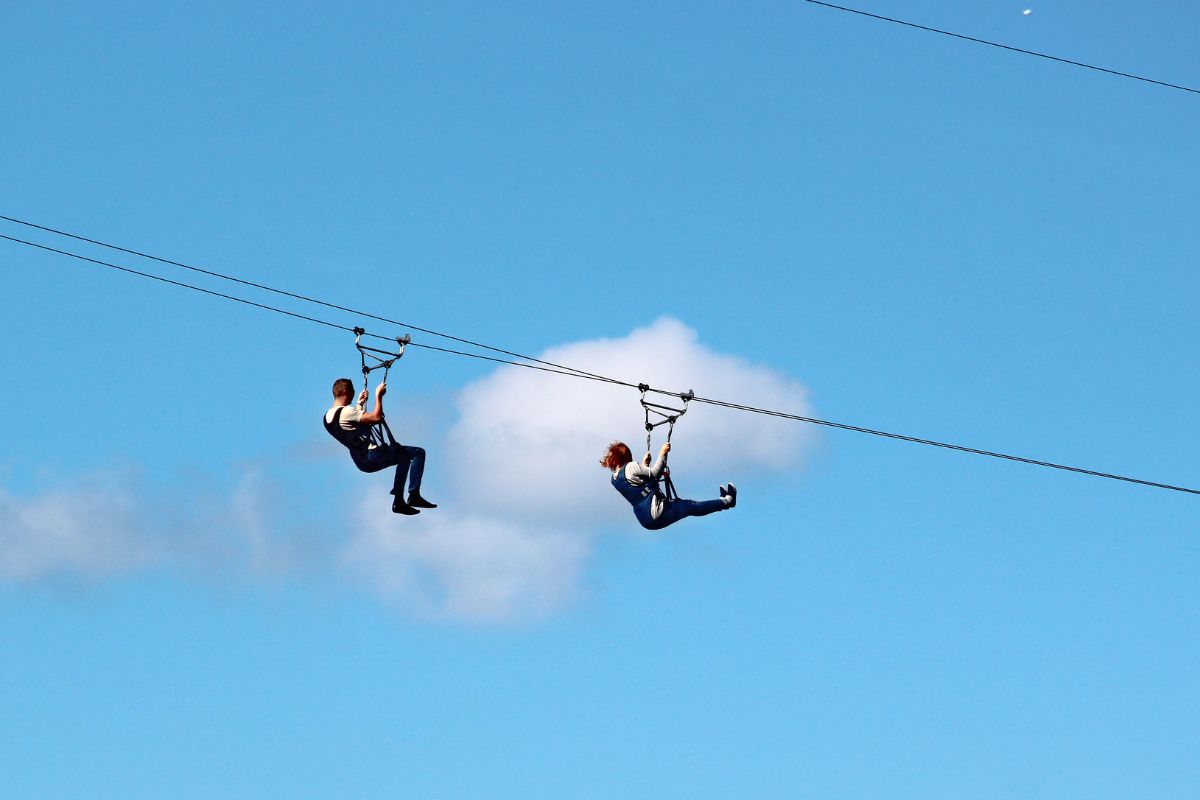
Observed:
{"x":565,"y":371}
{"x":1003,"y":46}
{"x":181,"y":284}
{"x":293,"y":295}
{"x":945,"y":445}
{"x":570,"y":373}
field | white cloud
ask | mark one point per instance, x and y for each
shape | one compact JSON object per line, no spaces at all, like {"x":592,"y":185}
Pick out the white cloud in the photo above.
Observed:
{"x":447,"y":563}
{"x":527,"y":444}
{"x":111,"y":524}
{"x":89,"y":530}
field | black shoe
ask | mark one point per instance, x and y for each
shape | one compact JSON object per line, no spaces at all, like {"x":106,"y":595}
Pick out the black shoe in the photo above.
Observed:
{"x":416,"y":501}
{"x":401,"y":507}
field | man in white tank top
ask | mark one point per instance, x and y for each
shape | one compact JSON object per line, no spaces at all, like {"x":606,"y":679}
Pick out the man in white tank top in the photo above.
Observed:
{"x":351,"y":426}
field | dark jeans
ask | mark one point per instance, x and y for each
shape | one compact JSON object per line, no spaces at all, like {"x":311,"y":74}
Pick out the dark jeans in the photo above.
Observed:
{"x":675,"y":511}
{"x":409,"y":461}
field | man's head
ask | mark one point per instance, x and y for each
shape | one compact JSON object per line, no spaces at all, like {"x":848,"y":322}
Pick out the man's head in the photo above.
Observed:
{"x":343,"y":389}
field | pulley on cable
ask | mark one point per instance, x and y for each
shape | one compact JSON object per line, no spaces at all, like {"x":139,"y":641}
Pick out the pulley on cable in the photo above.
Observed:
{"x":380,"y":434}
{"x":665,"y":415}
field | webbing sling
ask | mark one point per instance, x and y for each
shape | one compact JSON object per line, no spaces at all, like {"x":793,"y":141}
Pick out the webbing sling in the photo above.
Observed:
{"x":356,"y":442}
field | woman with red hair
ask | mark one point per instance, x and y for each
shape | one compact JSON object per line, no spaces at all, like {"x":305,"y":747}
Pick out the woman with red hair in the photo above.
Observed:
{"x":638,"y":483}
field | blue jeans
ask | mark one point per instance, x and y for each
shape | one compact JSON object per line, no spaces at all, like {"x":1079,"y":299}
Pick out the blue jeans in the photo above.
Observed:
{"x":409,"y":461}
{"x":674,"y":511}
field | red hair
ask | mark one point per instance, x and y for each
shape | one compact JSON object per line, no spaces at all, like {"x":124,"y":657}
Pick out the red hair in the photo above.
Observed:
{"x":617,"y":455}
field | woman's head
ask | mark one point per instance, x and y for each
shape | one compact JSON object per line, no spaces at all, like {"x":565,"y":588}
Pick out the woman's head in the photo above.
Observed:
{"x":616,"y":456}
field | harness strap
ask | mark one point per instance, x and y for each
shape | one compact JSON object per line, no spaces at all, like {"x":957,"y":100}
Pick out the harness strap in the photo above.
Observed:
{"x":355,"y":443}
{"x":647,"y":489}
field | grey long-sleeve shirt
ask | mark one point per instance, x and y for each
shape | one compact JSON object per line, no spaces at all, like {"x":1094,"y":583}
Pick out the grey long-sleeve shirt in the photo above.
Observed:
{"x":638,"y":475}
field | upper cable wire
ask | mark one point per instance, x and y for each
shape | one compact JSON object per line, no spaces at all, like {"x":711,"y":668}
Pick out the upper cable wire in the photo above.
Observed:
{"x":1021,"y":50}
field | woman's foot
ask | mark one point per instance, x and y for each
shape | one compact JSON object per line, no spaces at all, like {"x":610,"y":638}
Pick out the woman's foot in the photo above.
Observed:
{"x":729,"y":495}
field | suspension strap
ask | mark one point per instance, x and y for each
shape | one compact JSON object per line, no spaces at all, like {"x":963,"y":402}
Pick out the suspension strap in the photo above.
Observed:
{"x":664,"y":415}
{"x":380,"y":433}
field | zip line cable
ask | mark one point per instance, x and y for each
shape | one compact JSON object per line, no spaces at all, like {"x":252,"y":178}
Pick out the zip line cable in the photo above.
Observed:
{"x":1003,"y":46}
{"x":565,"y":371}
{"x":292,"y":295}
{"x":573,"y":373}
{"x":173,"y":283}
{"x":933,"y":443}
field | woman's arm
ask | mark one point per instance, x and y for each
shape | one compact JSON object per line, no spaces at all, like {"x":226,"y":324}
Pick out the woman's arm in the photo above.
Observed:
{"x":652,"y":472}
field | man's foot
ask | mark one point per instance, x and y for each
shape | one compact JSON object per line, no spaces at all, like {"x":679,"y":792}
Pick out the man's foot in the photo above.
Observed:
{"x":401,"y":507}
{"x":416,"y":501}
{"x":729,"y":495}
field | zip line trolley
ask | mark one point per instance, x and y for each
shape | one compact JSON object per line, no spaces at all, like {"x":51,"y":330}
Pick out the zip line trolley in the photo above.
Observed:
{"x":664,"y":415}
{"x":380,"y":434}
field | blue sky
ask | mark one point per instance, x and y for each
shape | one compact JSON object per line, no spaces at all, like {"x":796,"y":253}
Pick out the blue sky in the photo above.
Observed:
{"x":199,"y":596}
